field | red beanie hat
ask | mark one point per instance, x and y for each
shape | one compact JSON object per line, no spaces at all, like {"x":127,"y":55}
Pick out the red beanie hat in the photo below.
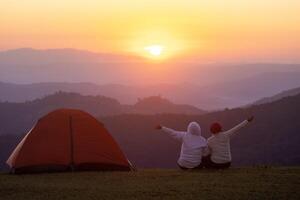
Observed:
{"x":215,"y":128}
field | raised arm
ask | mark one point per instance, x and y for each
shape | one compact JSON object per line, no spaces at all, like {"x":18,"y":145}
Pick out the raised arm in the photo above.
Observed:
{"x":173,"y":133}
{"x":238,"y":127}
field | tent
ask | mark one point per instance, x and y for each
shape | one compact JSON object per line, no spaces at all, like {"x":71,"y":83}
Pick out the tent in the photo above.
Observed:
{"x":67,"y":140}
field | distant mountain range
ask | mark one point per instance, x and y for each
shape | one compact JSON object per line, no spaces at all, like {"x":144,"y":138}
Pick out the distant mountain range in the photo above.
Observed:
{"x":286,"y":93}
{"x":208,"y":86}
{"x":272,"y":138}
{"x":99,"y":106}
{"x":228,"y":94}
{"x":27,"y":65}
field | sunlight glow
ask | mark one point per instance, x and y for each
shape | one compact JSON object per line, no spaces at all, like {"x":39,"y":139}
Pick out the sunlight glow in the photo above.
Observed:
{"x":270,"y":28}
{"x":156,"y":44}
{"x":154,"y":50}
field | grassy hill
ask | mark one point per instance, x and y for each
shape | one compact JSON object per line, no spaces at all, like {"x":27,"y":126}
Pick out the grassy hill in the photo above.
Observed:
{"x":237,"y":183}
{"x":272,"y":139}
{"x":24,"y":115}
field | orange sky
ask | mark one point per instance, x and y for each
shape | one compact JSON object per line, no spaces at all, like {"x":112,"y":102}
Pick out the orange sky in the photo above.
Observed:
{"x":215,"y":30}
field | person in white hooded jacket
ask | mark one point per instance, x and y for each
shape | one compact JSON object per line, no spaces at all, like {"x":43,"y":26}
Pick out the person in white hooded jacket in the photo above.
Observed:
{"x":193,"y":147}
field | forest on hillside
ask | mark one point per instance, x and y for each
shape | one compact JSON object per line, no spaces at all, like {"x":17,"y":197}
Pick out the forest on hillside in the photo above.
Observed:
{"x":272,"y":139}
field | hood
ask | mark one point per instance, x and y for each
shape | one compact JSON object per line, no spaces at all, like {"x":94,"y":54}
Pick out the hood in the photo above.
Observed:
{"x":194,"y":129}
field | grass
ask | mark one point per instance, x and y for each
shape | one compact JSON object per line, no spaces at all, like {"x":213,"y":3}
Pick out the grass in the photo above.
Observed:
{"x":238,"y":183}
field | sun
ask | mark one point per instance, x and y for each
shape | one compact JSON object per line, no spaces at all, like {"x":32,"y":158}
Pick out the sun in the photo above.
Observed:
{"x":154,"y":50}
{"x":155,"y":45}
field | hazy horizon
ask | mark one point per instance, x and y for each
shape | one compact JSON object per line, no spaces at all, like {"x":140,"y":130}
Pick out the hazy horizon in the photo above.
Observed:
{"x":140,"y":58}
{"x":234,"y":31}
{"x":28,"y":65}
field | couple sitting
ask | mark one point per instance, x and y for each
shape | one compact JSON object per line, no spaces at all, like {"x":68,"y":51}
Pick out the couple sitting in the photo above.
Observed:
{"x":197,"y":152}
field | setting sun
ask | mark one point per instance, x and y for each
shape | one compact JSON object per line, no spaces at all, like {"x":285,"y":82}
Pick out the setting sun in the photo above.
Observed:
{"x":155,"y":43}
{"x":154,"y":50}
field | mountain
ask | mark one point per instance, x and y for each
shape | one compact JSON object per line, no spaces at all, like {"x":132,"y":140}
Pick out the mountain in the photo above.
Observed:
{"x":27,"y":65}
{"x":271,"y":139}
{"x":183,"y":81}
{"x":217,"y":96}
{"x":32,"y":56}
{"x":252,"y":88}
{"x":71,"y":65}
{"x":286,"y":93}
{"x":28,"y":112}
{"x":27,"y":92}
{"x":158,"y":105}
{"x":229,"y":94}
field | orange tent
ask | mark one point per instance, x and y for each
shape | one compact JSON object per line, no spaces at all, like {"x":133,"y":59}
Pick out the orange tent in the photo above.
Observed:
{"x":67,"y":139}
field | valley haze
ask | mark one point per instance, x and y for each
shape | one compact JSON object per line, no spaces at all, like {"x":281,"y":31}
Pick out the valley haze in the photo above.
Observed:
{"x":28,"y":73}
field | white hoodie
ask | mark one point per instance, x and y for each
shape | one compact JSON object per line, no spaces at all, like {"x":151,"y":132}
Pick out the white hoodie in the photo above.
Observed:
{"x":193,"y":145}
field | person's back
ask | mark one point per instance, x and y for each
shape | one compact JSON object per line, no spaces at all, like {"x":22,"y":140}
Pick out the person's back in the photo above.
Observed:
{"x":193,"y":145}
{"x":219,"y":145}
{"x":191,"y":150}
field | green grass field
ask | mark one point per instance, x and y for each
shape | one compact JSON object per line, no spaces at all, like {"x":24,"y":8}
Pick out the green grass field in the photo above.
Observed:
{"x":239,"y":183}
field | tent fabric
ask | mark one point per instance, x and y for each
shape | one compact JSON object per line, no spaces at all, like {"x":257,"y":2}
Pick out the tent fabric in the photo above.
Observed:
{"x":67,"y":139}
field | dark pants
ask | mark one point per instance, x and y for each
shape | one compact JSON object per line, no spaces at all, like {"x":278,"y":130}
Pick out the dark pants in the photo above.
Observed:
{"x":209,"y":164}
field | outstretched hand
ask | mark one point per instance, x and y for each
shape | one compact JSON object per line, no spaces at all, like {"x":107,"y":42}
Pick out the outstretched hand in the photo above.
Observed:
{"x":158,"y":127}
{"x":250,"y":119}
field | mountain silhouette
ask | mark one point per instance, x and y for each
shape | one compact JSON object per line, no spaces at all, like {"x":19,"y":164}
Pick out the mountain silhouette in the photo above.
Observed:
{"x":90,"y":73}
{"x":286,"y":93}
{"x":25,"y":114}
{"x":271,"y":139}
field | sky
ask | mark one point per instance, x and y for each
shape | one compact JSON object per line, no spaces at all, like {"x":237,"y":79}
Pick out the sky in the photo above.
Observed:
{"x":214,"y":30}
